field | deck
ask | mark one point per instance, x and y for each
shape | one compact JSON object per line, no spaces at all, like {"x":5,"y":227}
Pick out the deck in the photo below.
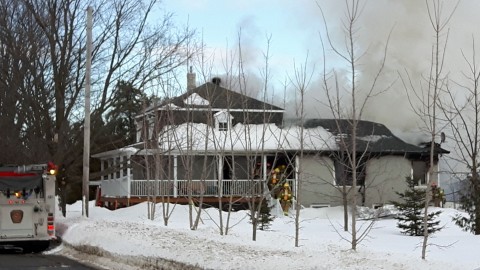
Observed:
{"x":117,"y":193}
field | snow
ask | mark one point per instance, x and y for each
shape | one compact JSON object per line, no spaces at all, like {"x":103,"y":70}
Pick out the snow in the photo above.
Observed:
{"x":127,"y":239}
{"x":201,"y":137}
{"x":196,"y":99}
{"x":372,"y":138}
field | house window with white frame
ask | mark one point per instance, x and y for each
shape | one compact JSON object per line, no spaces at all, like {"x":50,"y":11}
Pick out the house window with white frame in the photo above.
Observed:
{"x":223,"y":121}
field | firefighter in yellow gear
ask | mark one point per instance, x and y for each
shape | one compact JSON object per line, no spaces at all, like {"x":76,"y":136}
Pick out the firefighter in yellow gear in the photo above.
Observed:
{"x":286,"y":198}
{"x":275,"y":176}
{"x":274,"y":181}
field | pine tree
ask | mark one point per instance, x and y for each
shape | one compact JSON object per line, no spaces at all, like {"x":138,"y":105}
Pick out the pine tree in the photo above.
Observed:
{"x":266,"y":217}
{"x":120,"y":121}
{"x":469,"y":199}
{"x":410,"y":219}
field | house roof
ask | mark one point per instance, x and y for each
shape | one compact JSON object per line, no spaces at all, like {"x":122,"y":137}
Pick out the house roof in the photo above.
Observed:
{"x":318,"y":135}
{"x":127,"y":150}
{"x":211,"y":95}
{"x":372,"y":137}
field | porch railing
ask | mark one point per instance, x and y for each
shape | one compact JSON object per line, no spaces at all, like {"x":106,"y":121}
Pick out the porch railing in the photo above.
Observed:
{"x":197,"y":188}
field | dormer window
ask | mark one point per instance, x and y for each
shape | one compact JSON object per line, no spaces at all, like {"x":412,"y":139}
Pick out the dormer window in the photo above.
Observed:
{"x":223,"y":121}
{"x":222,"y":126}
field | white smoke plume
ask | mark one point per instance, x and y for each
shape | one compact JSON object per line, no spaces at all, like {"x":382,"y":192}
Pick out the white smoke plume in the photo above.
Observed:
{"x":409,"y":51}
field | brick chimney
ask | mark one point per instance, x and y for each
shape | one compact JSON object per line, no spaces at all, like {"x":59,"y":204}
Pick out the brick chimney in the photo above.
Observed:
{"x":191,"y":78}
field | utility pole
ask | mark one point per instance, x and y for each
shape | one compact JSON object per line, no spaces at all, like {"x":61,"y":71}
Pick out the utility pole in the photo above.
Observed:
{"x":86,"y":134}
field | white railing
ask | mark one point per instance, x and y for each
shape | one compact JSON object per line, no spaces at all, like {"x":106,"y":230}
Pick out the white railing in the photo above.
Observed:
{"x":115,"y":187}
{"x":211,"y":188}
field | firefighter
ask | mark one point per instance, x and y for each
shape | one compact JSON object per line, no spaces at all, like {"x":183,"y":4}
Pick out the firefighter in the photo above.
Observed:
{"x":286,"y":198}
{"x":438,"y":195}
{"x":274,"y":182}
{"x":275,"y":176}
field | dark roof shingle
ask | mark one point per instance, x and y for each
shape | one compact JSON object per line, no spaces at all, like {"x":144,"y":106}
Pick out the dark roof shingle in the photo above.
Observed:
{"x":219,"y":97}
{"x":372,"y":137}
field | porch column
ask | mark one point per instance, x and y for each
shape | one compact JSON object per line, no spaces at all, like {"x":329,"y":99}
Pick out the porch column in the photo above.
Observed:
{"x":220,"y":175}
{"x":109,"y":175}
{"x":297,"y":172}
{"x":265,"y":167}
{"x":114,"y":175}
{"x":120,"y":164}
{"x":102,"y":167}
{"x":265,"y":189}
{"x":129,"y":176}
{"x":175,"y":175}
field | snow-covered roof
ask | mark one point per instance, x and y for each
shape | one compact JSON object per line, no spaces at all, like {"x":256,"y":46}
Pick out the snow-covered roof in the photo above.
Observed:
{"x":169,"y":106}
{"x":265,"y":137}
{"x":117,"y":152}
{"x":196,"y":99}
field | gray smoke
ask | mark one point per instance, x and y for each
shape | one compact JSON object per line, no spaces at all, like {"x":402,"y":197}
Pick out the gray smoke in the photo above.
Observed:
{"x":409,"y":57}
{"x":409,"y":54}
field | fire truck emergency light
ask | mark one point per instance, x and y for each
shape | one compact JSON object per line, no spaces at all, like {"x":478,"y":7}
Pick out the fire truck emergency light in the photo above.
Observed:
{"x":52,"y":168}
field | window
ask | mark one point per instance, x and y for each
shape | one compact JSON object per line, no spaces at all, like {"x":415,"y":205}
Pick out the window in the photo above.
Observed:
{"x":344,"y":173}
{"x":222,"y":126}
{"x":223,"y":120}
{"x":419,"y":172}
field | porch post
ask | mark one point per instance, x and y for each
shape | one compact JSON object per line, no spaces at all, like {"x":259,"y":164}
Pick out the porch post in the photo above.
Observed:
{"x":114,"y":175}
{"x":120,"y":163}
{"x":102,"y":167}
{"x":264,"y":165}
{"x":264,"y":184}
{"x":115,"y":183}
{"x":297,"y":172}
{"x":220,"y":175}
{"x":129,"y":178}
{"x":175,"y":176}
{"x":109,"y":175}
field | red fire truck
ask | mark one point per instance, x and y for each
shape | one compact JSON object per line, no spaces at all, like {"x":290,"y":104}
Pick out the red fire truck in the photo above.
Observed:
{"x":27,"y":207}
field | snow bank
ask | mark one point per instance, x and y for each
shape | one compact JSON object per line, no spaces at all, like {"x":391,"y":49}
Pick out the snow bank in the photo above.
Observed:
{"x":129,"y":238}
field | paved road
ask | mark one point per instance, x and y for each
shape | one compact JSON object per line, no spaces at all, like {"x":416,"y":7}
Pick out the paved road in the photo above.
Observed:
{"x":14,"y":261}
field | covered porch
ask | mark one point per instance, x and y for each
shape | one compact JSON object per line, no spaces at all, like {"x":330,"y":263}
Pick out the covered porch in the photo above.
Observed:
{"x":132,"y":177}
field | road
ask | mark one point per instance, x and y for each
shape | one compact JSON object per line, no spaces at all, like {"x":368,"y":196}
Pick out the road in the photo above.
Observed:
{"x":12,"y":260}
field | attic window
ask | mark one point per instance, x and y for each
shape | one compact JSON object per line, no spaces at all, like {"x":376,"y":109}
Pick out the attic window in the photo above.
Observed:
{"x":223,"y":120}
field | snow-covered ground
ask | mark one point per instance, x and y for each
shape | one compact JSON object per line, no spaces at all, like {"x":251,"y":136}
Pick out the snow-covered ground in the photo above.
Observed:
{"x":126,"y":239}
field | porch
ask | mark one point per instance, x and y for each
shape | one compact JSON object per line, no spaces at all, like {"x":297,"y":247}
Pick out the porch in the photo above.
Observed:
{"x":179,"y":179}
{"x":181,"y":191}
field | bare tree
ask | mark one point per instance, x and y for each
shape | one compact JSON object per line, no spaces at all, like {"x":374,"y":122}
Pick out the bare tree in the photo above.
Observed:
{"x":462,"y":112}
{"x":349,"y":153}
{"x":430,"y":96}
{"x":126,"y":47}
{"x":22,"y":45}
{"x":301,"y":82}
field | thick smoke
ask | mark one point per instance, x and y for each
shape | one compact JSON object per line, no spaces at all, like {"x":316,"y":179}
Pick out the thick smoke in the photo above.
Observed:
{"x":408,"y":58}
